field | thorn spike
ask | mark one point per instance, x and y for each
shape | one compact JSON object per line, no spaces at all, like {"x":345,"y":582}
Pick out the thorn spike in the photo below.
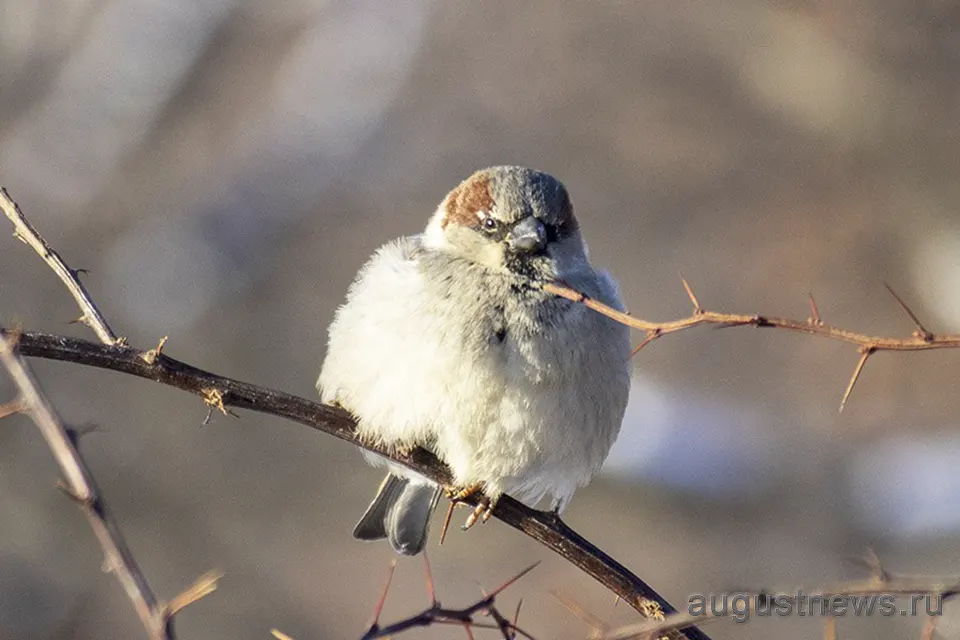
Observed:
{"x":509,"y":582}
{"x":383,"y":597}
{"x":697,"y":309}
{"x":516,"y":614}
{"x":867,"y":352}
{"x":814,"y":311}
{"x":921,"y":330}
{"x":428,"y":575}
{"x":651,"y":336}
{"x":446,"y":521}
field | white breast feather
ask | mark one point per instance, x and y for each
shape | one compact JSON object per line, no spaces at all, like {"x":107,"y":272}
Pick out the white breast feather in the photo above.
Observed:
{"x":533,"y":416}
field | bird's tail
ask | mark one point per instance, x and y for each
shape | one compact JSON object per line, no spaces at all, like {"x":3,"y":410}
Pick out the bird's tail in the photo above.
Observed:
{"x":401,"y":513}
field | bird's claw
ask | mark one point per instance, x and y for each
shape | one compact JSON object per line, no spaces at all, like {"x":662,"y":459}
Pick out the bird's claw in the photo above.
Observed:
{"x":484,"y":509}
{"x":460,"y":494}
{"x":481,"y":512}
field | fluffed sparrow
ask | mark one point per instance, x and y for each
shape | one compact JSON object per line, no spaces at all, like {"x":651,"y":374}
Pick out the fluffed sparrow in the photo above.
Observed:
{"x":447,"y":341}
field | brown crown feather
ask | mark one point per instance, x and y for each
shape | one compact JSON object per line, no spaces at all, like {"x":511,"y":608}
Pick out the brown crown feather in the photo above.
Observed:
{"x":463,"y":203}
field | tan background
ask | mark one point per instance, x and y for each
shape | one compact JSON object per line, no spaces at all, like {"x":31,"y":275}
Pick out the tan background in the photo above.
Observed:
{"x":223,"y":169}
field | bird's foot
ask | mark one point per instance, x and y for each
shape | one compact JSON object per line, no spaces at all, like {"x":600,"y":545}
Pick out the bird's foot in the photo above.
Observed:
{"x":481,"y":512}
{"x":461,"y":494}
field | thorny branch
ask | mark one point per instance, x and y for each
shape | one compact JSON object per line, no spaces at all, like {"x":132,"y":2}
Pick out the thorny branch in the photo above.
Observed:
{"x":221,"y":393}
{"x":24,"y":231}
{"x":436,"y":614}
{"x":156,"y":617}
{"x":920,"y":340}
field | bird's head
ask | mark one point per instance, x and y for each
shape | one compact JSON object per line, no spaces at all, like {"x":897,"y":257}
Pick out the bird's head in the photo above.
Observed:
{"x":512,"y":219}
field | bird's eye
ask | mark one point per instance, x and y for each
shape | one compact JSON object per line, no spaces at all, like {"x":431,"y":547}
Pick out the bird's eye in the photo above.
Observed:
{"x":490,"y":224}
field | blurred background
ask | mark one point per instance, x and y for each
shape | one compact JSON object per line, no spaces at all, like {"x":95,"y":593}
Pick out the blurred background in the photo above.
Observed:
{"x":223,"y":168}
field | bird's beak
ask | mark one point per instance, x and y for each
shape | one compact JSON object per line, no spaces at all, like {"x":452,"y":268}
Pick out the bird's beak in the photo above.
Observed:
{"x":527,"y":236}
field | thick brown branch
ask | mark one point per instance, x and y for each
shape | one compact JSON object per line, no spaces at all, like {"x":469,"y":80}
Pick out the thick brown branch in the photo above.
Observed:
{"x":80,"y":486}
{"x":23,"y":230}
{"x":545,"y":527}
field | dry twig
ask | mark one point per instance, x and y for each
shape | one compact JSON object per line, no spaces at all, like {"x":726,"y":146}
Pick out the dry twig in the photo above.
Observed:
{"x":921,"y":340}
{"x":436,"y":614}
{"x":597,"y":626}
{"x":24,"y":231}
{"x":157,"y":618}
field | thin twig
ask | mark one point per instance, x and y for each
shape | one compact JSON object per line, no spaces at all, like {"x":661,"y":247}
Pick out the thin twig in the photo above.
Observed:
{"x":597,"y":626}
{"x":428,"y":578}
{"x":156,"y":617}
{"x":921,"y":340}
{"x":929,"y":628}
{"x":12,"y":407}
{"x":25,"y":232}
{"x":830,"y":628}
{"x":204,"y":586}
{"x":741,"y":320}
{"x":436,"y":614}
{"x":516,"y":612}
{"x":375,"y":622}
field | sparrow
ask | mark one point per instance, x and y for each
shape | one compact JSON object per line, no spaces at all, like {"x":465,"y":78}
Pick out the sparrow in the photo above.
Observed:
{"x":447,"y":341}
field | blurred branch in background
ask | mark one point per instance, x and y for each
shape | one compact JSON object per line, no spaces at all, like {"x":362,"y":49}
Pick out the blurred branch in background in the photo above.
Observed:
{"x":25,"y":233}
{"x":436,"y":614}
{"x":157,"y":617}
{"x":838,"y":597}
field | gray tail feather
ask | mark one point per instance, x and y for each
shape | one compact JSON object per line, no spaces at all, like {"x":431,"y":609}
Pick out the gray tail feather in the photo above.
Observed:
{"x":401,"y":513}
